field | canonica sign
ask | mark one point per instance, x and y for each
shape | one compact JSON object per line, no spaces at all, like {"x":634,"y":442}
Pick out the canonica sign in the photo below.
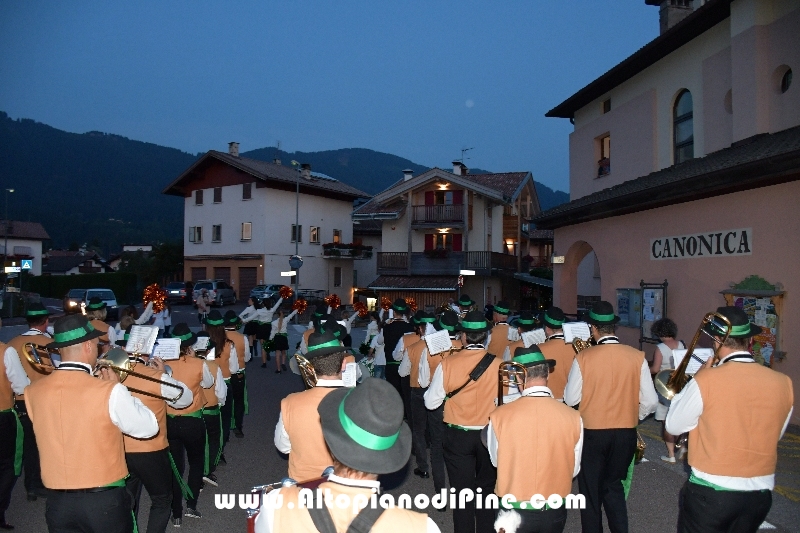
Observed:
{"x":711,"y":244}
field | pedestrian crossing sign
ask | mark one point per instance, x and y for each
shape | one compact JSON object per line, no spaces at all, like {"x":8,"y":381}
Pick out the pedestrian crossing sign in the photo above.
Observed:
{"x":27,"y":264}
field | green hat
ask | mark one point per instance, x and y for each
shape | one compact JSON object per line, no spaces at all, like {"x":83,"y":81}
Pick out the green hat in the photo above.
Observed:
{"x":421,"y":317}
{"x":448,"y":321}
{"x":602,"y":314}
{"x":95,"y":304}
{"x":338,"y":330}
{"x":400,"y":306}
{"x":474,"y":322}
{"x":554,"y":317}
{"x":214,"y":318}
{"x":741,"y":327}
{"x":502,"y":307}
{"x":187,"y":336}
{"x":73,"y":329}
{"x":36,"y":310}
{"x":465,"y":301}
{"x":532,"y":356}
{"x":323,"y":343}
{"x":232,"y":319}
{"x":526,"y":321}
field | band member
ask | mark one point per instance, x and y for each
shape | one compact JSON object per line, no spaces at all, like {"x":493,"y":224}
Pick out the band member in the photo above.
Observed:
{"x":393,"y":330}
{"x":92,"y":414}
{"x":347,"y":341}
{"x":556,"y":349}
{"x":211,"y":411}
{"x":364,"y":430}
{"x":263,"y":318}
{"x":467,"y":381}
{"x":37,"y":317}
{"x":226,"y":350}
{"x":734,"y":428}
{"x":525,"y":322}
{"x":250,"y":328}
{"x":319,"y":317}
{"x":464,"y":305}
{"x":148,"y":459}
{"x":299,"y":432}
{"x":409,"y":372}
{"x":535,"y":442}
{"x":499,"y":337}
{"x":612,"y":384}
{"x":13,"y":380}
{"x":186,"y":430}
{"x":96,"y":312}
{"x":240,"y":341}
{"x":280,"y":337}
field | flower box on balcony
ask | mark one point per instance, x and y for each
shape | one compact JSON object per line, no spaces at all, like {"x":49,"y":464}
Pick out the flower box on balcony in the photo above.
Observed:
{"x":338,"y":249}
{"x":438,"y":253}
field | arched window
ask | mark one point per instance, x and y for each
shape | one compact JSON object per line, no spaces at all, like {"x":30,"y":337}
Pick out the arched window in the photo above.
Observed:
{"x":683,"y":126}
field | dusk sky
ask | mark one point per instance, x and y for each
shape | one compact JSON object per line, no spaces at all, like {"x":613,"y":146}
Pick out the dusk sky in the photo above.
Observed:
{"x":421,"y":80}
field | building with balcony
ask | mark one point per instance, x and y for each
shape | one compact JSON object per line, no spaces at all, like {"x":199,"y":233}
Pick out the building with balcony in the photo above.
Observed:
{"x":24,"y":240}
{"x":239,"y":224}
{"x":440,"y":222}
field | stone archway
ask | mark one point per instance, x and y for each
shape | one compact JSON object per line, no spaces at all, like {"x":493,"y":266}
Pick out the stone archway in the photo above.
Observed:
{"x":568,"y":276}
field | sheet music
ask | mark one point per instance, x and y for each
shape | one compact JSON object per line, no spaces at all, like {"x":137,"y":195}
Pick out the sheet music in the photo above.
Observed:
{"x":168,"y":349}
{"x":573,"y":330}
{"x":350,"y":374}
{"x":694,"y":365}
{"x":142,"y":339}
{"x":201,"y":343}
{"x":513,"y":334}
{"x":211,"y":355}
{"x":535,"y":336}
{"x":438,"y":342}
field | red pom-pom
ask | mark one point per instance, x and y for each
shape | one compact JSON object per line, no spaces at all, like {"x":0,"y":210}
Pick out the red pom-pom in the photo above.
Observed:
{"x":386,"y":303}
{"x":286,"y":292}
{"x":361,"y":309}
{"x":157,"y":295}
{"x":333,"y":301}
{"x":412,"y":304}
{"x":300,"y":305}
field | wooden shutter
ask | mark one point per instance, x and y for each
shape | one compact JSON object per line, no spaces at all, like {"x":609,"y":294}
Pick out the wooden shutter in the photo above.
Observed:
{"x":457,"y":241}
{"x":429,"y":198}
{"x":458,"y":197}
{"x":429,"y":241}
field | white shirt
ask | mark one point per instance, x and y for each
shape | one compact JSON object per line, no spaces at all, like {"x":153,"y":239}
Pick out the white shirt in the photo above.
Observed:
{"x":220,"y":387}
{"x":275,"y":330}
{"x":146,"y":314}
{"x":159,"y":319}
{"x":127,"y":413}
{"x":348,"y":322}
{"x":208,"y":378}
{"x":249,"y":310}
{"x":536,"y":391}
{"x":266,"y":516}
{"x":424,"y":370}
{"x":233,"y":362}
{"x":372,"y":329}
{"x":683,"y":416}
{"x":397,"y":354}
{"x":405,"y":363}
{"x":263,"y":314}
{"x":648,"y":399}
{"x":281,"y":439}
{"x":435,"y":395}
{"x":14,"y":372}
{"x":168,"y":392}
{"x":380,"y":349}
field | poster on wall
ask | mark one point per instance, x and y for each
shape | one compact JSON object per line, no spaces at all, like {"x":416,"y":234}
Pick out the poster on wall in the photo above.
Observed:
{"x":761,"y":312}
{"x":653,"y":308}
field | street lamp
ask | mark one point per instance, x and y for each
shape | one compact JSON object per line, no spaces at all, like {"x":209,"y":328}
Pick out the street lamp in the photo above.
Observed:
{"x":5,"y":256}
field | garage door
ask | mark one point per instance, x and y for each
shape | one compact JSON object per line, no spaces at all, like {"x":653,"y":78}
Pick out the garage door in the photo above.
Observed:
{"x":247,"y":280}
{"x":223,"y":274}
{"x":198,"y":273}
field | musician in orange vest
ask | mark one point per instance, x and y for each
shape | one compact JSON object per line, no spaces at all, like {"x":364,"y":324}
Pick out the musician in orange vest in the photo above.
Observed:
{"x":299,"y":432}
{"x":215,"y":398}
{"x":148,"y":460}
{"x":37,"y":317}
{"x":556,"y":349}
{"x":186,"y":429}
{"x":735,"y":411}
{"x":612,"y":384}
{"x":525,"y":322}
{"x":498,"y":338}
{"x":13,"y":380}
{"x":74,"y":412}
{"x":467,"y":380}
{"x":97,"y":312}
{"x":364,"y":430}
{"x":535,"y":442}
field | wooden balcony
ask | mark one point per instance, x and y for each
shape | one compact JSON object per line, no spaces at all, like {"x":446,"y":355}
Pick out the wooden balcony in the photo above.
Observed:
{"x":443,"y":264}
{"x":437,"y":215}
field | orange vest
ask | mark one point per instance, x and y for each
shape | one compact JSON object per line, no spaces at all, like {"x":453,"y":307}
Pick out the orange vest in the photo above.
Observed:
{"x":189,"y":371}
{"x":744,"y":408}
{"x":69,"y":411}
{"x":564,"y":355}
{"x":611,"y":380}
{"x":238,"y":342}
{"x":18,"y":343}
{"x":6,"y":394}
{"x":224,"y":361}
{"x":157,"y":405}
{"x":472,"y":405}
{"x":414,"y":354}
{"x":101,"y":326}
{"x":290,"y":517}
{"x":499,"y":340}
{"x":309,"y":455}
{"x":536,"y":447}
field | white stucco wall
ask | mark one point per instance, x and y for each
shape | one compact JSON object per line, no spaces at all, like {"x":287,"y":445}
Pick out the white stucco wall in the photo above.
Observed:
{"x":36,"y":252}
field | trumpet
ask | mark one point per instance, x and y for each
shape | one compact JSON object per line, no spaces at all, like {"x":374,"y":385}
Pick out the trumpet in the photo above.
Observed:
{"x":510,"y":374}
{"x":117,"y":360}
{"x":302,"y":366}
{"x":670,"y":382}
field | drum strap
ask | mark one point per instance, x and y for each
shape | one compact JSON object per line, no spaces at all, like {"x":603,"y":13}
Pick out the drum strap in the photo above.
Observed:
{"x":476,"y":373}
{"x":362,"y":523}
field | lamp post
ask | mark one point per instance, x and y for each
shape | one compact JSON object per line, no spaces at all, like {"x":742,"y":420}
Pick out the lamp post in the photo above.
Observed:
{"x":5,"y":256}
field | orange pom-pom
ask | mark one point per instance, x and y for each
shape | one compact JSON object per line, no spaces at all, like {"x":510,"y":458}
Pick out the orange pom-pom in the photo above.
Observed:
{"x":157,"y":295}
{"x":333,"y":301}
{"x":286,"y":292}
{"x":412,"y":304}
{"x":300,"y":305}
{"x":386,"y":303}
{"x":361,"y":309}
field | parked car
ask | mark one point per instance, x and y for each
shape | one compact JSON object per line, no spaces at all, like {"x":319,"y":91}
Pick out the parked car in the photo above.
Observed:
{"x":76,"y":297}
{"x":265,"y":291}
{"x":179,"y":292}
{"x":219,"y":292}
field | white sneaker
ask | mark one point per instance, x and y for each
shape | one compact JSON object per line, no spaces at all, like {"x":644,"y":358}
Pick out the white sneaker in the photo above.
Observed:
{"x":667,"y":459}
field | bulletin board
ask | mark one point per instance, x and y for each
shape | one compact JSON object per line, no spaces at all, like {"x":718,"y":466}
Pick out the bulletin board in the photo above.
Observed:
{"x":653,"y":308}
{"x":763,"y":307}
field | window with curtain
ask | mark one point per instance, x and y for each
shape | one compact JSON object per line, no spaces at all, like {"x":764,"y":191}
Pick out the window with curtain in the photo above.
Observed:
{"x":683,"y":127}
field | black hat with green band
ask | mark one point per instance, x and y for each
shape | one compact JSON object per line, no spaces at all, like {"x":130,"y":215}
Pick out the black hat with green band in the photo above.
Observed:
{"x":741,"y":327}
{"x":187,"y":336}
{"x":465,"y":301}
{"x":421,"y":317}
{"x":602,"y":314}
{"x":448,"y":321}
{"x":320,"y":310}
{"x":400,"y":306}
{"x":526,"y":321}
{"x":554,"y":317}
{"x":95,"y":304}
{"x":332,"y":326}
{"x":232,"y":320}
{"x":323,"y":343}
{"x":532,"y":356}
{"x":364,"y":429}
{"x":502,"y":307}
{"x":214,"y":318}
{"x":71,"y":330}
{"x":36,"y":310}
{"x":474,"y":322}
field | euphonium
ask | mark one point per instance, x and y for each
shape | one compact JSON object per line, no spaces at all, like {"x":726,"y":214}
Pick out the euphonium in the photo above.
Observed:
{"x":510,"y":374}
{"x":302,"y":366}
{"x":117,"y":360}
{"x":670,"y":382}
{"x":579,"y":345}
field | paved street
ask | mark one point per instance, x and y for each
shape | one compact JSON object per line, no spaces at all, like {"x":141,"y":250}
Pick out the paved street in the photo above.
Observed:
{"x":253,"y":460}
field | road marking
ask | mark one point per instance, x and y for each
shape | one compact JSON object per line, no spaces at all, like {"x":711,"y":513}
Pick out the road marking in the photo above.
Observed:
{"x":789,"y":493}
{"x":767,"y":525}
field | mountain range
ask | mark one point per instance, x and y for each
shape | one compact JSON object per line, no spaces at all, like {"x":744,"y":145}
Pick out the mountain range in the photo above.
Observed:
{"x":105,"y":190}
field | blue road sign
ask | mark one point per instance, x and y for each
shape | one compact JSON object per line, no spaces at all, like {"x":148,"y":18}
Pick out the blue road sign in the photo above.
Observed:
{"x":27,"y":264}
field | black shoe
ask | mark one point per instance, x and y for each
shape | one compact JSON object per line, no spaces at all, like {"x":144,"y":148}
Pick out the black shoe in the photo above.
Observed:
{"x":238,"y":433}
{"x":263,"y":365}
{"x":176,"y":522}
{"x":192,"y":513}
{"x":211,"y":479}
{"x":421,"y":473}
{"x":277,"y":371}
{"x":283,"y":367}
{"x":222,"y":460}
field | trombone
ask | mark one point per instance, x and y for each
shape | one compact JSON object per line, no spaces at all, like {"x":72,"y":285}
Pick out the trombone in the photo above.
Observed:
{"x":118,"y":361}
{"x":32,"y":353}
{"x":510,"y":374}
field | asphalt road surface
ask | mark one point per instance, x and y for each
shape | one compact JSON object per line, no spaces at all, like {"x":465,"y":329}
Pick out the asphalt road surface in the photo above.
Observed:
{"x":253,"y":460}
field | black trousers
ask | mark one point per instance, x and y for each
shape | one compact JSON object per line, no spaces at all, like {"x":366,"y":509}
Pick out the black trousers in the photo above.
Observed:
{"x":153,"y":471}
{"x":545,"y":521}
{"x":704,"y":509}
{"x":236,"y":396}
{"x":226,"y":412}
{"x":108,"y":511}
{"x":214,"y":430}
{"x":30,"y":452}
{"x":405,"y":394}
{"x":394,"y":380}
{"x":187,"y":434}
{"x":436,"y":431}
{"x":8,"y":448}
{"x":469,"y":467}
{"x":607,"y":454}
{"x":419,"y":425}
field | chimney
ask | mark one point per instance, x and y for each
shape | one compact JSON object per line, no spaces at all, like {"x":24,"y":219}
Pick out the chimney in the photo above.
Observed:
{"x":460,"y":169}
{"x":408,"y":174}
{"x":233,"y":149}
{"x":276,"y":161}
{"x":672,"y":12}
{"x":305,"y":171}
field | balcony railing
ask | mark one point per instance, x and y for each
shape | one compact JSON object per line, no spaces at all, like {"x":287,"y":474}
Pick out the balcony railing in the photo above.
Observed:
{"x":490,"y":260}
{"x":438,"y":214}
{"x":446,"y":263}
{"x":393,"y":261}
{"x":342,"y":250}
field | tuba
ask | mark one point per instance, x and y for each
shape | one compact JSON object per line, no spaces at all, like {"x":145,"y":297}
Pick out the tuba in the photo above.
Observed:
{"x":259,"y":492}
{"x":117,"y":360}
{"x":579,"y":345}
{"x":302,"y":366}
{"x":668,"y":383}
{"x":510,"y":374}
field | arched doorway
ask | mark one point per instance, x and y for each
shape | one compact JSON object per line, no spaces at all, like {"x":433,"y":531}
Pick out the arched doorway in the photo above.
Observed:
{"x":579,"y":279}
